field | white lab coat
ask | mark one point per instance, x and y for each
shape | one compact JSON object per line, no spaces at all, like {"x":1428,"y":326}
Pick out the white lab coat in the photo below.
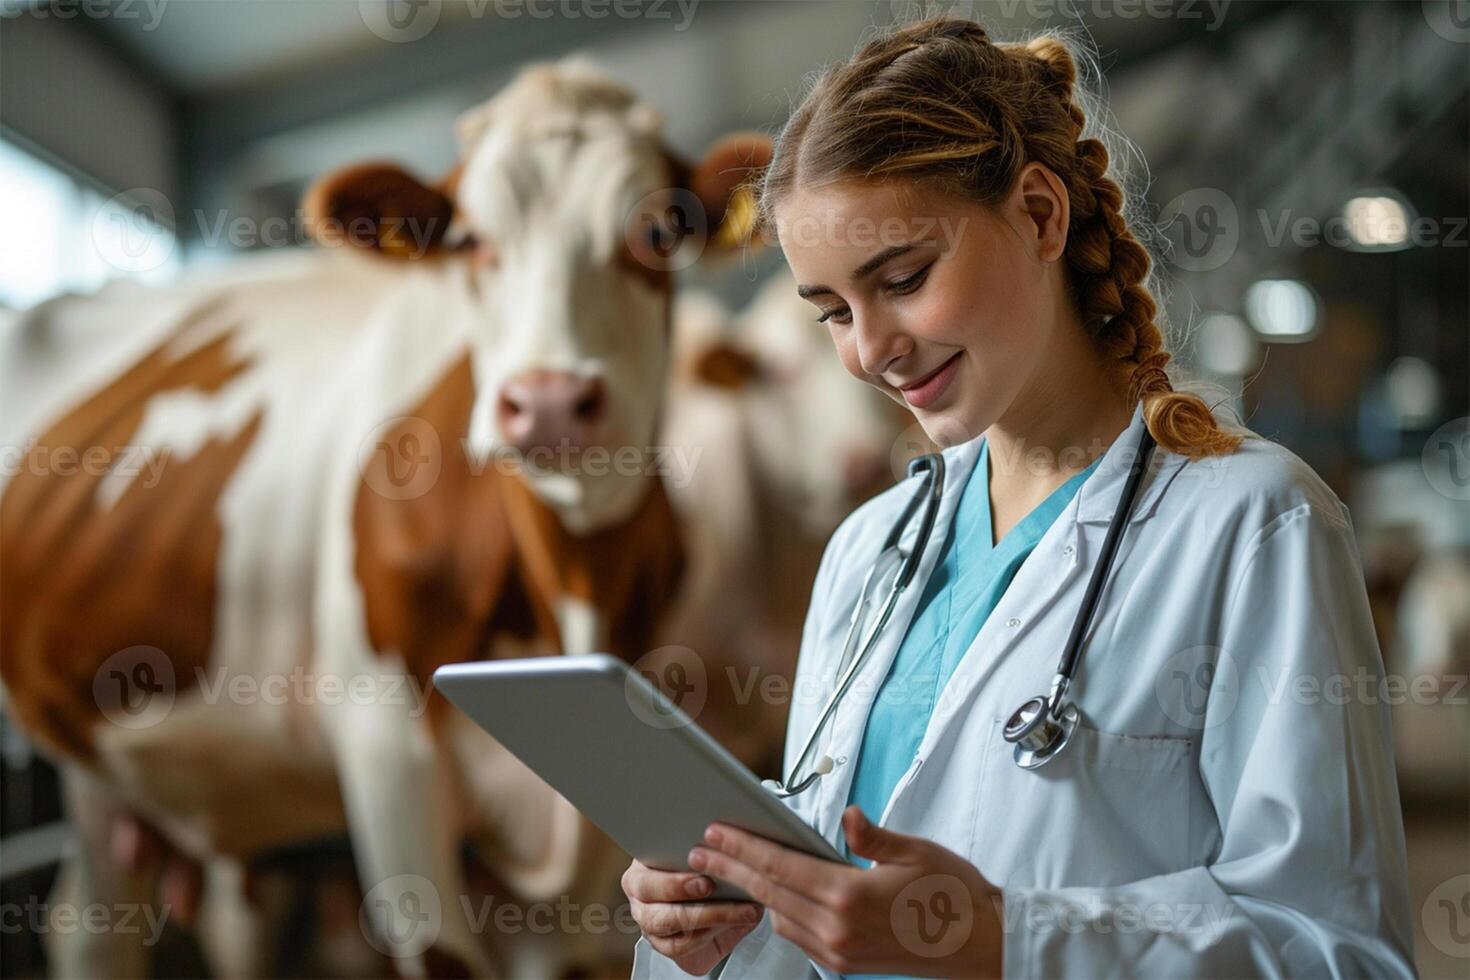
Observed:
{"x":1228,"y":807}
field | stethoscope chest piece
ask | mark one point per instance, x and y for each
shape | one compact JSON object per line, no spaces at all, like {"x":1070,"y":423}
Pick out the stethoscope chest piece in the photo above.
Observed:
{"x":1038,"y":735}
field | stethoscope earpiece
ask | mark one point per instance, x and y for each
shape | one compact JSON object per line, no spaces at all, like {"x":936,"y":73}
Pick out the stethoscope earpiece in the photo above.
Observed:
{"x":822,"y":767}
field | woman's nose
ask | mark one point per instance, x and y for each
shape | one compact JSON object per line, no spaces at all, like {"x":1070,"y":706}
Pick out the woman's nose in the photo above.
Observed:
{"x":878,"y":345}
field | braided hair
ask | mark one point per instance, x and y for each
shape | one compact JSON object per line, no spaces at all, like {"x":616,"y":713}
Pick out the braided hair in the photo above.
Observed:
{"x":937,"y":101}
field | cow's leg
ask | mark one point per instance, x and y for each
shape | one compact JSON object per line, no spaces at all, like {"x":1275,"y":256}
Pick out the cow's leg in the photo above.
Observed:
{"x":405,"y":833}
{"x":239,"y":928}
{"x":91,"y":876}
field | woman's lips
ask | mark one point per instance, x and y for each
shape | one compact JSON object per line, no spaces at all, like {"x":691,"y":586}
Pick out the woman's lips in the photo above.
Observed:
{"x":927,"y":392}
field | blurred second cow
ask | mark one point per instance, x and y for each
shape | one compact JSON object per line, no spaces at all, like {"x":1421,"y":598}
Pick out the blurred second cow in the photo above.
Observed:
{"x":782,"y":444}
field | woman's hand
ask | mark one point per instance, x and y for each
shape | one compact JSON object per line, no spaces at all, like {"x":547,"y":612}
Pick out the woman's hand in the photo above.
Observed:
{"x":920,"y":910}
{"x":695,"y":935}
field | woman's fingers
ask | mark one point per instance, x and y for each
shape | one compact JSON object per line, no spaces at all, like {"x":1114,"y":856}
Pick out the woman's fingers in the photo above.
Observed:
{"x":713,"y":939}
{"x":672,"y":918}
{"x":810,"y":877}
{"x":696,"y":934}
{"x":682,"y":944}
{"x":768,"y":891}
{"x":698,"y":952}
{"x":644,"y":884}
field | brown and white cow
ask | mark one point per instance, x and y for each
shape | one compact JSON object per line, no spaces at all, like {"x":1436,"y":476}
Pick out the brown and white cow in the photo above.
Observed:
{"x":785,"y":445}
{"x":246,"y":517}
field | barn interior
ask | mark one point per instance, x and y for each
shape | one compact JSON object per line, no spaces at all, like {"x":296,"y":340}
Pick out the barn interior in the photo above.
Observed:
{"x":1303,"y":169}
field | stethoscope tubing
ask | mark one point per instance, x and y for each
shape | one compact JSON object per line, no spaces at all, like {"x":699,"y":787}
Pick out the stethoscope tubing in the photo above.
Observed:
{"x":1067,"y":665}
{"x":930,"y":493}
{"x":1071,"y":652}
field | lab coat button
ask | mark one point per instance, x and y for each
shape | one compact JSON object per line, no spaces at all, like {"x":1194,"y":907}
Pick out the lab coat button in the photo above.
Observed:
{"x":1068,"y":551}
{"x":842,"y":760}
{"x":1013,"y":622}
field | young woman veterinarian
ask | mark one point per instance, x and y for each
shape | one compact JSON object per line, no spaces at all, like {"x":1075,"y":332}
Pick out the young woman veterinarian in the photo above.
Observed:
{"x":1120,"y":719}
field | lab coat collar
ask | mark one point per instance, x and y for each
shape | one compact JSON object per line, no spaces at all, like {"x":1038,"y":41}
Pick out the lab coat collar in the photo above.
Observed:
{"x":1097,"y":498}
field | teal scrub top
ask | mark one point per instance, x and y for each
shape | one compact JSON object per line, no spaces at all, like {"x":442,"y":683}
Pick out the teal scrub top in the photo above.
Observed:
{"x":972,"y":574}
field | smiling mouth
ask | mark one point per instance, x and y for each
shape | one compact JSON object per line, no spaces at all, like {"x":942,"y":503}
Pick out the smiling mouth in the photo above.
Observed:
{"x":926,"y":391}
{"x":920,"y":382}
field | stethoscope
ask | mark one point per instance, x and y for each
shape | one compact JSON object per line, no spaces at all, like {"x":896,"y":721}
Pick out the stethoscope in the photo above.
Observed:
{"x":1042,"y":726}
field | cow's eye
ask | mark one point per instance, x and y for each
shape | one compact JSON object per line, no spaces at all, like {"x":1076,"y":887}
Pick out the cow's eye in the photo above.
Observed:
{"x":649,"y":255}
{"x":656,"y":235}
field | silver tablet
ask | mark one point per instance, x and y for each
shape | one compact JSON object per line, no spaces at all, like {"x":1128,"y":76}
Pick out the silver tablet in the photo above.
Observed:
{"x":623,"y":754}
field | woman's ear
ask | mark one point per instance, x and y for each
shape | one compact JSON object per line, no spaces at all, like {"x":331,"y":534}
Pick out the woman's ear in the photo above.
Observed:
{"x":377,"y":206}
{"x":1047,"y":207}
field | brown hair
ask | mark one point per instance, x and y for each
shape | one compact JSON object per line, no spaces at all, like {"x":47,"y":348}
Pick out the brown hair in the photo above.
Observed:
{"x":937,"y":101}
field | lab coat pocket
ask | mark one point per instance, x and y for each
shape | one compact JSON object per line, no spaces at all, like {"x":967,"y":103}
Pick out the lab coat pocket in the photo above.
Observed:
{"x":1135,"y":753}
{"x":1109,"y":809}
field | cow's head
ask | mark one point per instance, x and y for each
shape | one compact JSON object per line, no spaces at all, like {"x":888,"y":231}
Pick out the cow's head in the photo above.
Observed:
{"x":818,"y":443}
{"x":568,"y":217}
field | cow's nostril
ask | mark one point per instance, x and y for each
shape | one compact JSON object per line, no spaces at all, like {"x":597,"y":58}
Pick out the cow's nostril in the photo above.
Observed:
{"x":509,"y":407}
{"x":551,"y":408}
{"x":590,"y":404}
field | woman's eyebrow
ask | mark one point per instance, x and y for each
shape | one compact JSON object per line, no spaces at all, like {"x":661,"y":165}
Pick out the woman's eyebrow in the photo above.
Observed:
{"x":892,"y":251}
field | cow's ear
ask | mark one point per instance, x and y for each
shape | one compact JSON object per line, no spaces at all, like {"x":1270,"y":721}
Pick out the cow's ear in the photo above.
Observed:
{"x":378,"y":206}
{"x":721,"y":180}
{"x":724,"y":365}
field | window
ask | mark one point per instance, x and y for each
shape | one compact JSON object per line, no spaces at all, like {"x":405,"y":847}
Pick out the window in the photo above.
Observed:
{"x":61,"y":234}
